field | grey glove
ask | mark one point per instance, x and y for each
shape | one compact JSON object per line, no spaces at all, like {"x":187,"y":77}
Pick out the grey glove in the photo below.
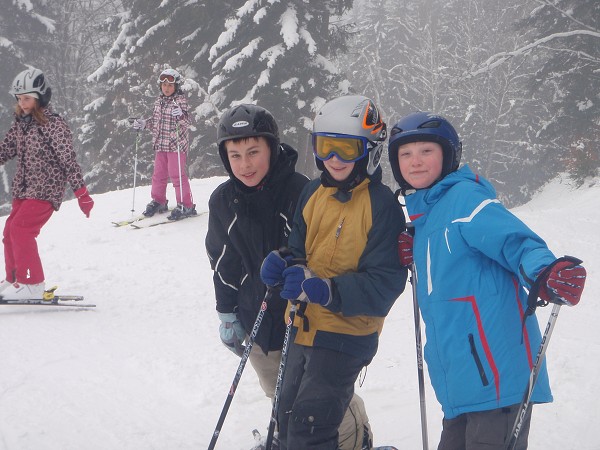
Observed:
{"x":139,"y":124}
{"x":176,"y":111}
{"x":232,"y":332}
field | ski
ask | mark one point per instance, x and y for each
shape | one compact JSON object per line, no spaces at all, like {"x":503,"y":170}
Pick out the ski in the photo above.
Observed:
{"x":261,"y":443}
{"x":138,"y":225}
{"x":50,"y":299}
{"x":57,"y":301}
{"x":124,"y":223}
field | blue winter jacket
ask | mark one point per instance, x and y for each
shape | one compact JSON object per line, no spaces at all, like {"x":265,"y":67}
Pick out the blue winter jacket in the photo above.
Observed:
{"x":473,"y":258}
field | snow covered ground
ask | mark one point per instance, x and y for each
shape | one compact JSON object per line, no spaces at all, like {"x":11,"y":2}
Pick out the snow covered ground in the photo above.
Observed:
{"x":145,"y":369}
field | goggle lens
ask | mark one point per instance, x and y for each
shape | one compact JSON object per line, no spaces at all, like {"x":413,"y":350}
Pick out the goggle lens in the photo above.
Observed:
{"x":166,"y":79}
{"x":345,"y":147}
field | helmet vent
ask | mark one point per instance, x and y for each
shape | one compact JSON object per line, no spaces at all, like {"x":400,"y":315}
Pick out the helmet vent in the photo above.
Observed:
{"x":395,"y":130}
{"x":431,"y":124}
{"x":372,"y":115}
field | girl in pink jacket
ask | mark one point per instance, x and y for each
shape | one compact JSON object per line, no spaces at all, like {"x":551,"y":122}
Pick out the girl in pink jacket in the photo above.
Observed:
{"x":170,"y":138}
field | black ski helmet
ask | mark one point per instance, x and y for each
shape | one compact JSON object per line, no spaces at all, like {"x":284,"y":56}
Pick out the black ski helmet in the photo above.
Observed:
{"x":32,"y":81}
{"x":424,"y":127}
{"x":245,"y":121}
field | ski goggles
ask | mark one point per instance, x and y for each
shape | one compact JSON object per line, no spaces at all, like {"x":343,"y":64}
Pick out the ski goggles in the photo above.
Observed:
{"x":346,"y":147}
{"x":166,"y":79}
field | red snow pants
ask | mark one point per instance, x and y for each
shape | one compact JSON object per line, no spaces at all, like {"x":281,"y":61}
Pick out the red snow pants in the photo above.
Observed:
{"x":21,"y":258}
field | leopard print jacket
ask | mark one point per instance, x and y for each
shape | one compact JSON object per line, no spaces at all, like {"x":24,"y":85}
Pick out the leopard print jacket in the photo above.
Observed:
{"x":46,"y":160}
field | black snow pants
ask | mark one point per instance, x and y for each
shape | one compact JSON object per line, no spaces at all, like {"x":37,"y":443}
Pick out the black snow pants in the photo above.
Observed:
{"x":317,"y":388}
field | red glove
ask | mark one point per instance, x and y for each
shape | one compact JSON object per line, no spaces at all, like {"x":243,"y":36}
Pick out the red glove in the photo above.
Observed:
{"x":405,"y":248}
{"x":563,"y":284}
{"x":85,"y":201}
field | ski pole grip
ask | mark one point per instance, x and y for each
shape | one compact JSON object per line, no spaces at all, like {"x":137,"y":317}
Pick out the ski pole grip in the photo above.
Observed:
{"x":285,"y":252}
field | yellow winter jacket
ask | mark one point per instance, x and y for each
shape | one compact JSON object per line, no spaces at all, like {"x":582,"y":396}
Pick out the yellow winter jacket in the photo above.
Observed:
{"x":350,"y":238}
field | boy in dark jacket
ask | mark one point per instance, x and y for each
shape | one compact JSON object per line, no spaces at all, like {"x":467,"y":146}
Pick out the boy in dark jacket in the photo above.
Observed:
{"x":250,"y":215}
{"x":346,"y":227}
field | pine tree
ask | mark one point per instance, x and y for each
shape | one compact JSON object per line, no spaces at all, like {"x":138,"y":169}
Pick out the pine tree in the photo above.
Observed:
{"x":151,"y":36}
{"x":430,"y":55}
{"x":278,"y":54}
{"x":24,"y":28}
{"x":567,"y":41}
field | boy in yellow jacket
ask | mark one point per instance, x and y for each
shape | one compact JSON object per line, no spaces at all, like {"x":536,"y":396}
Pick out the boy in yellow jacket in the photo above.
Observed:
{"x":345,"y":227}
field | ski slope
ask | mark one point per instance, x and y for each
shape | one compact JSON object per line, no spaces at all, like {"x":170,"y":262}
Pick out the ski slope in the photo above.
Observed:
{"x":145,"y":369}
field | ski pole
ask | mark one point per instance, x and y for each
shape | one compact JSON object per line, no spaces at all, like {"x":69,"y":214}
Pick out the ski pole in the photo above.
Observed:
{"x":280,"y":374}
{"x":135,"y":161}
{"x":240,"y":369}
{"x":535,"y":370}
{"x":282,"y":363}
{"x":417,"y":316}
{"x":179,"y":158}
{"x":533,"y":376}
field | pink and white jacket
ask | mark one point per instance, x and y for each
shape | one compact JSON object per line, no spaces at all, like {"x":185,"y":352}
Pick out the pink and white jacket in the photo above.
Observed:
{"x":164,"y":126}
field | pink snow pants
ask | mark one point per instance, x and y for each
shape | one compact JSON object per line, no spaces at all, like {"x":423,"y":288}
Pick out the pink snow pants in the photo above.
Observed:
{"x":166,"y":167}
{"x":21,"y":258}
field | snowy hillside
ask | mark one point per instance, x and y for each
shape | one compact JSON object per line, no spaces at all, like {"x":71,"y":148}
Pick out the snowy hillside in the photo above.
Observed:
{"x":145,"y":369}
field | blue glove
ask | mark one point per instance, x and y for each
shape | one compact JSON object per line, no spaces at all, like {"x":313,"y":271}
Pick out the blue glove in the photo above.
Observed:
{"x":232,"y":332}
{"x":303,"y":285}
{"x":272,"y":268}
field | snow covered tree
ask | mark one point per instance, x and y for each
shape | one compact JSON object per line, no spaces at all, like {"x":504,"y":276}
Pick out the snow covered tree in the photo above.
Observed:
{"x":63,"y":39}
{"x":274,"y":53}
{"x":278,"y":54}
{"x":567,"y":41}
{"x":427,"y":55}
{"x":150,"y":36}
{"x":24,"y":28}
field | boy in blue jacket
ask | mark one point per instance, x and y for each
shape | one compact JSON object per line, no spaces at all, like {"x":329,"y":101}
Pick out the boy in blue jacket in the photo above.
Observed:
{"x":473,"y":259}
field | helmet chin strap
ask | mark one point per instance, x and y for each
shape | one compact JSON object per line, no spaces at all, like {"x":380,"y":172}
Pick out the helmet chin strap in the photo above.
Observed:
{"x":374,"y":158}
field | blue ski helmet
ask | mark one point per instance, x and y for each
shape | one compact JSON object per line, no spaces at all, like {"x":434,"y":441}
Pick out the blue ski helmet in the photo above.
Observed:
{"x":424,"y":127}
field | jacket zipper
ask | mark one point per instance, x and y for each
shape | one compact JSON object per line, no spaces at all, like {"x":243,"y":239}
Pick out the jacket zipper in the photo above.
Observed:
{"x":339,"y":229}
{"x":482,"y":375}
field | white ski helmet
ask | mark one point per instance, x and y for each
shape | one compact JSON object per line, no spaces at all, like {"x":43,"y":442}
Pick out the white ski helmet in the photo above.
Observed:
{"x":170,"y":76}
{"x":352,"y":116}
{"x":32,"y":81}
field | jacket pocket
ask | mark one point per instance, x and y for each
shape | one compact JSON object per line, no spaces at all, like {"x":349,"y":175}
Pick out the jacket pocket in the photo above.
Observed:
{"x":477,"y":359}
